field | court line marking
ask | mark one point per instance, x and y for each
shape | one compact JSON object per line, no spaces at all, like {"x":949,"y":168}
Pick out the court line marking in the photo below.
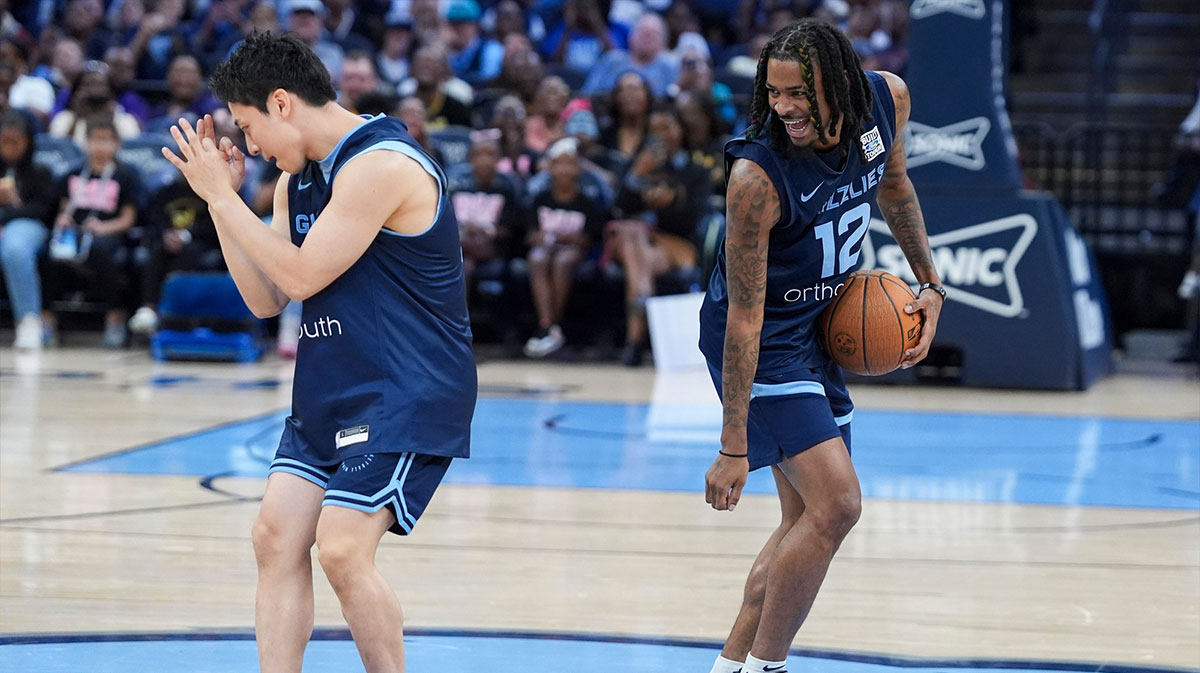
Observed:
{"x":332,"y":634}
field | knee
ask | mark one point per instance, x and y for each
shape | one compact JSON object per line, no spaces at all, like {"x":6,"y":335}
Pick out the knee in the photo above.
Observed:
{"x":339,"y":558}
{"x":839,"y":515}
{"x":756,"y":585}
{"x":272,"y":544}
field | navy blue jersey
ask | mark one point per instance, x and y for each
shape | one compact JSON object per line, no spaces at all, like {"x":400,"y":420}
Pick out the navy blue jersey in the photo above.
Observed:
{"x":384,"y":362}
{"x":824,"y":216}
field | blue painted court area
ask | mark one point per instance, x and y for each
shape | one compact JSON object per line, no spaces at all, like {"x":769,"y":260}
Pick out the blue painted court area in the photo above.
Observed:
{"x":903,"y":455}
{"x":496,"y":653}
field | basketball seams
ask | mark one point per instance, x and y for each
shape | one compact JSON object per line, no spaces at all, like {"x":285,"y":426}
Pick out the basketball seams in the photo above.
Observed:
{"x":899,"y":321}
{"x":863,"y":326}
{"x":896,"y":281}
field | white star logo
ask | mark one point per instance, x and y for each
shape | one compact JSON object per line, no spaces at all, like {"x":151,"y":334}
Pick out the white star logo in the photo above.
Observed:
{"x":959,"y":144}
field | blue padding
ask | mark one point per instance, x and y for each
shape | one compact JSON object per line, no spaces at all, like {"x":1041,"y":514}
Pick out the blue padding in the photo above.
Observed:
{"x":203,"y":295}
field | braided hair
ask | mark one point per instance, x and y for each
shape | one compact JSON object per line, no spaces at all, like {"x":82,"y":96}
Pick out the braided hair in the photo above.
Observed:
{"x":850,"y":98}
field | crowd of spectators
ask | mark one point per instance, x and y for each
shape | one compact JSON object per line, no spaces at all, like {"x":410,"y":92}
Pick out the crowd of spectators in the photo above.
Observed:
{"x":579,"y":136}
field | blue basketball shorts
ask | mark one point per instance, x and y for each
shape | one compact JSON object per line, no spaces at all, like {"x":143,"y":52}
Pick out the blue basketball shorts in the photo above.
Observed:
{"x":794,"y":411}
{"x":402,"y":482}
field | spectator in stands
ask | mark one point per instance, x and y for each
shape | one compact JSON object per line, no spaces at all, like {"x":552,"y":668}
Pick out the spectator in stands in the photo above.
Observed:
{"x":428,"y":23}
{"x":447,"y":99}
{"x":473,"y":57}
{"x":487,"y":204}
{"x":522,"y":72}
{"x":625,"y":130}
{"x":179,"y":235}
{"x":705,"y":134}
{"x":582,"y":37}
{"x":32,"y":94}
{"x":27,"y":203}
{"x":412,"y":112}
{"x":544,"y":125}
{"x":125,"y":18}
{"x":264,"y":18}
{"x":570,"y":222}
{"x":305,"y":17}
{"x":159,"y":38}
{"x":92,"y":96}
{"x":394,"y":55}
{"x":508,"y":17}
{"x":357,"y":79}
{"x":696,"y":75}
{"x":663,"y":198}
{"x":515,"y":155}
{"x":681,"y":19}
{"x":647,"y":56}
{"x":81,"y":21}
{"x":595,"y":158}
{"x":864,"y":27}
{"x":89,"y":237}
{"x":349,"y":24}
{"x":121,"y":72}
{"x":746,"y":65}
{"x":187,"y":95}
{"x":66,"y":60}
{"x":218,"y":32}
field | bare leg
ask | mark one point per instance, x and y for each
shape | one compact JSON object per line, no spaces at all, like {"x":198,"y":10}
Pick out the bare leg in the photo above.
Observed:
{"x":283,"y":535}
{"x":346,"y":543}
{"x":540,"y":285}
{"x":741,"y":636}
{"x":825,"y":478}
{"x":631,"y":249}
{"x":563,"y":272}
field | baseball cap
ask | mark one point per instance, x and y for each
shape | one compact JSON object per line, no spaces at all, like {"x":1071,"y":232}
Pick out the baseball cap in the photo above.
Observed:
{"x":463,"y":11}
{"x":315,"y":6}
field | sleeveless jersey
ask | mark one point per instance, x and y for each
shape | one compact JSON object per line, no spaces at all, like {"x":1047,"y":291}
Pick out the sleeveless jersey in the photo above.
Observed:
{"x":814,"y":247}
{"x":384,"y":362}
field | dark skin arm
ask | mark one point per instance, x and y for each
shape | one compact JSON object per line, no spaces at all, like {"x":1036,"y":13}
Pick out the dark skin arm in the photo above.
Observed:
{"x":898,"y":201}
{"x":752,"y":210}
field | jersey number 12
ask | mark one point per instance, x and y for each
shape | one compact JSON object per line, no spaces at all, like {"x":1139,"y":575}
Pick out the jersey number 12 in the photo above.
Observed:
{"x":858,"y":217}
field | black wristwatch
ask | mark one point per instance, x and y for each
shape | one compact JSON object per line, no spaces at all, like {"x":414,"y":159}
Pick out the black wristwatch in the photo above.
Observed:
{"x":932,"y":286}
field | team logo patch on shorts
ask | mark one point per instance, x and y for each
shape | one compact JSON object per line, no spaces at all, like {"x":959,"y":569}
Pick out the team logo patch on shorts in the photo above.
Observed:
{"x":872,"y":144}
{"x":356,"y":435}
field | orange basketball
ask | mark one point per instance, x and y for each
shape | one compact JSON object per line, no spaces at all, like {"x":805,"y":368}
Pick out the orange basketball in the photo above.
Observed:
{"x":865,"y":328}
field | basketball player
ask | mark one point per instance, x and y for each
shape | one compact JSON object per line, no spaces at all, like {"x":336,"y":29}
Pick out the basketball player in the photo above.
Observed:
{"x":385,"y":382}
{"x":825,"y":137}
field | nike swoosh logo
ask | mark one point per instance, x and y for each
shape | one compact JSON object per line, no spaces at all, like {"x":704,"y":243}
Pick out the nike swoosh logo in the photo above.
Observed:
{"x":804,"y":198}
{"x":304,"y":185}
{"x":768,"y":669}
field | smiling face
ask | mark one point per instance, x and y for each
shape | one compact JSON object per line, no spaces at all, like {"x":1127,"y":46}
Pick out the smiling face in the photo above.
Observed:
{"x":269,"y":133}
{"x":787,"y":97}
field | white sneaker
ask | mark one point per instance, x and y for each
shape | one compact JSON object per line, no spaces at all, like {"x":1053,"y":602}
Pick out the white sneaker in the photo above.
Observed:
{"x":29,"y":333}
{"x":144,"y":321}
{"x":540,"y":347}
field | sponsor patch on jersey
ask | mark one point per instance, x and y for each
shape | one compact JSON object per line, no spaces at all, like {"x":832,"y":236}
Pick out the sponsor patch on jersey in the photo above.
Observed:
{"x":872,"y":144}
{"x":356,"y":435}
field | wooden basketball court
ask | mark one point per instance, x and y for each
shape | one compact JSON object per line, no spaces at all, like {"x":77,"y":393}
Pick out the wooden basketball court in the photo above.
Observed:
{"x":581,"y":514}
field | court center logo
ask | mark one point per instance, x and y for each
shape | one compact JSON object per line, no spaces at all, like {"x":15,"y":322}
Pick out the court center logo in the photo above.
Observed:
{"x":971,"y":9}
{"x":959,"y":144}
{"x":977,"y":264}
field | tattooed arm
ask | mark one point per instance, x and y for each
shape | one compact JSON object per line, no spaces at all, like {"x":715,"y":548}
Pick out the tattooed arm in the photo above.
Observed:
{"x":752,"y":210}
{"x":898,"y":201}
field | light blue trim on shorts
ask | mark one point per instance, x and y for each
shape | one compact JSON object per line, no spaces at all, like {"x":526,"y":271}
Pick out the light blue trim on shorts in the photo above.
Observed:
{"x":302,"y":470}
{"x":843,"y":420}
{"x":376,"y":502}
{"x":789,"y":388}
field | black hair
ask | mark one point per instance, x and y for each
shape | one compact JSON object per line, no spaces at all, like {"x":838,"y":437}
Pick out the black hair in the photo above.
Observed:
{"x":20,"y":121}
{"x":265,"y":62}
{"x":102,"y":122}
{"x":849,"y":97}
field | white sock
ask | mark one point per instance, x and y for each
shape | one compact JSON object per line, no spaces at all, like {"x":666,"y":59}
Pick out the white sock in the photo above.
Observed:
{"x":723,"y":665}
{"x":756,"y":665}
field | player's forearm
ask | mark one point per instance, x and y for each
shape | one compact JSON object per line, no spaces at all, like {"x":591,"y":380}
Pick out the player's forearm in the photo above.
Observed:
{"x":271,"y":251}
{"x":902,"y":210}
{"x":743,"y":331}
{"x":262,"y":295}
